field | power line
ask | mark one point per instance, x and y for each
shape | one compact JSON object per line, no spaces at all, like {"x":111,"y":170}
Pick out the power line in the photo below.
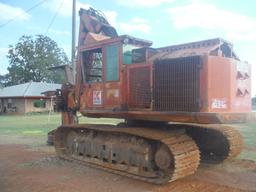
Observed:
{"x":54,"y":17}
{"x":26,"y":11}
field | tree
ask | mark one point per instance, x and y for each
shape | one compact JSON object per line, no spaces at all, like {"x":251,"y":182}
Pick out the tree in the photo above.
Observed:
{"x":5,"y":80}
{"x":30,"y":59}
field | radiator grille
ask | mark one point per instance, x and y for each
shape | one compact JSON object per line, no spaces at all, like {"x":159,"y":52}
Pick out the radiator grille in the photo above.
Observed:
{"x":139,"y":87}
{"x":176,"y":84}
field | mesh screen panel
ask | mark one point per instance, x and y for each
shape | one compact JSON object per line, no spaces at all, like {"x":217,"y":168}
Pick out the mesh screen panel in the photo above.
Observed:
{"x":139,"y":86}
{"x":176,"y":84}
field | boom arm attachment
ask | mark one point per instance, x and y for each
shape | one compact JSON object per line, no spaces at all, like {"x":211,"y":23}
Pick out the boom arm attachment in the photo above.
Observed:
{"x":93,"y":21}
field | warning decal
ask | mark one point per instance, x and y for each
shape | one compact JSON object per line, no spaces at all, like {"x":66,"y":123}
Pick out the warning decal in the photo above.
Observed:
{"x":97,"y":97}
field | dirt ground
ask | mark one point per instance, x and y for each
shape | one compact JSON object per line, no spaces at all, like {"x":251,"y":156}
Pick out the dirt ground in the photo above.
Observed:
{"x":27,"y":167}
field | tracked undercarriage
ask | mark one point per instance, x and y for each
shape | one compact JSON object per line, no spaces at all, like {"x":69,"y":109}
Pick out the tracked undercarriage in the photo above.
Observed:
{"x":152,"y":155}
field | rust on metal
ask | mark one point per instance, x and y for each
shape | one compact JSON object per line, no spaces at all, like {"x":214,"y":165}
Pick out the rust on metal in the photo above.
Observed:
{"x":104,"y":146}
{"x":139,"y":88}
{"x":193,"y":85}
{"x":216,"y":142}
{"x":185,"y":117}
{"x":85,"y":144}
{"x":214,"y":47}
{"x":177,"y":84}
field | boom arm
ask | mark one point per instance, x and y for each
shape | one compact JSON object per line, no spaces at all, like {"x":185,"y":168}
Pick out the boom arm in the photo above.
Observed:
{"x":68,"y":102}
{"x":93,"y":21}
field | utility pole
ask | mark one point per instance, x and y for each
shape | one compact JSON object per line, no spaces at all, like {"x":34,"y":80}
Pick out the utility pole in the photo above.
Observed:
{"x":73,"y":48}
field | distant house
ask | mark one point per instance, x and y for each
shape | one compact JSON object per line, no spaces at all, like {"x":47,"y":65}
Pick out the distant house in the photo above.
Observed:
{"x":27,"y":97}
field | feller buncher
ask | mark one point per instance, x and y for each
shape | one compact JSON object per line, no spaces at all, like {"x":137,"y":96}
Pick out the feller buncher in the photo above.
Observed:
{"x":177,"y":102}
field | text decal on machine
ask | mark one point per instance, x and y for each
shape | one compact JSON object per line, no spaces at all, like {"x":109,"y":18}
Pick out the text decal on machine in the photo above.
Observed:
{"x":97,"y":97}
{"x":219,"y":104}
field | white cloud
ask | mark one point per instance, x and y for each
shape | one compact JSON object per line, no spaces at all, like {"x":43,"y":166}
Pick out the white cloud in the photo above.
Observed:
{"x":209,"y":17}
{"x":246,"y":36}
{"x":238,"y":28}
{"x":66,"y":48}
{"x":8,"y":12}
{"x":111,"y":17}
{"x":66,"y":8}
{"x":139,"y":20}
{"x":59,"y":32}
{"x":135,"y":25}
{"x":4,"y":49}
{"x":3,"y":52}
{"x":143,"y":3}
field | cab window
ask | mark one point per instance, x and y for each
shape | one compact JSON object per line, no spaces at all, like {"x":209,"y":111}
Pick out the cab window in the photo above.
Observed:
{"x":128,"y":53}
{"x":112,"y":63}
{"x":92,"y":66}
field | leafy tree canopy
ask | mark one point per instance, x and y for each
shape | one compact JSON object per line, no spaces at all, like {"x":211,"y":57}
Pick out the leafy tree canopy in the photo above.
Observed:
{"x":30,"y":59}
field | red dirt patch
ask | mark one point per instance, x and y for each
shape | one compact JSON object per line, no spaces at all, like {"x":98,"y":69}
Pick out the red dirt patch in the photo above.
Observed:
{"x":23,"y":169}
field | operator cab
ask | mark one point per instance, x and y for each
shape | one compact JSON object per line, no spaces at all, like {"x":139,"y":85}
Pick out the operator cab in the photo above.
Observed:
{"x":105,"y":69}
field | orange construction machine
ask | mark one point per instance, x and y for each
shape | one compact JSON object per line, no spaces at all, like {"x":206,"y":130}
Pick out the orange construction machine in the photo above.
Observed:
{"x":176,"y":102}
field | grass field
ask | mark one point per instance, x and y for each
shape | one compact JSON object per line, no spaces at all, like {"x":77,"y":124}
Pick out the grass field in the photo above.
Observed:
{"x":248,"y":132}
{"x":38,"y":125}
{"x":28,"y":124}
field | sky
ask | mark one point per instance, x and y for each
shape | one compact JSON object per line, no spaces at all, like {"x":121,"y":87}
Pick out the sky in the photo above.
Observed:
{"x":165,"y":22}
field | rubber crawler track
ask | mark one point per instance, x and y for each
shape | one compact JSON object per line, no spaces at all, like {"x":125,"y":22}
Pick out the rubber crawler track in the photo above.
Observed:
{"x":183,"y":148}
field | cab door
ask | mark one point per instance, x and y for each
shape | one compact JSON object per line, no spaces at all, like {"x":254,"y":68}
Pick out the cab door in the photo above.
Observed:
{"x":93,"y":80}
{"x":112,"y":69}
{"x":100,"y":70}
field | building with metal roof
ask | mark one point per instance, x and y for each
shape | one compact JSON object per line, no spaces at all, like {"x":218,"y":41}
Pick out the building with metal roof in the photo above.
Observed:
{"x":27,"y":97}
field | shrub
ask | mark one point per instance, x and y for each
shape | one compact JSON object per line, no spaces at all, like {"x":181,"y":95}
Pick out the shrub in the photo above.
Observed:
{"x":39,"y":104}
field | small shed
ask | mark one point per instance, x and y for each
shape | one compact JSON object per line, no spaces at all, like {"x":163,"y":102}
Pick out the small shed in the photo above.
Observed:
{"x":26,"y":98}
